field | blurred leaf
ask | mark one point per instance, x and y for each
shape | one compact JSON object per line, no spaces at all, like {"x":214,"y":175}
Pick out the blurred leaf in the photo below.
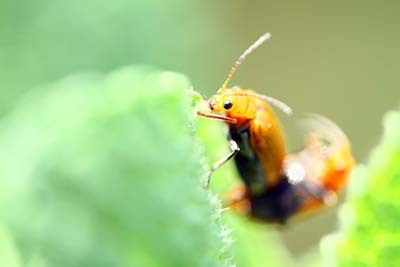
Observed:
{"x":8,"y":253}
{"x":370,"y":218}
{"x":103,"y":170}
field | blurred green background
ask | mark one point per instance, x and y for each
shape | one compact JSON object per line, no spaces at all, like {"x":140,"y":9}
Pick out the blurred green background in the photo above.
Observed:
{"x":336,"y":58}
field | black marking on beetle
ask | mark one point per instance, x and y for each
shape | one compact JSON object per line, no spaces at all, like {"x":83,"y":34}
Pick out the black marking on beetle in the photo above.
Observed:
{"x":247,"y":161}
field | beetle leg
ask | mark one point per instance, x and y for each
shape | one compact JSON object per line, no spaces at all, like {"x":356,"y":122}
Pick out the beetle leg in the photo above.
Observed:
{"x":314,"y":196}
{"x":318,"y":191}
{"x":234,"y":150}
{"x":238,"y":200}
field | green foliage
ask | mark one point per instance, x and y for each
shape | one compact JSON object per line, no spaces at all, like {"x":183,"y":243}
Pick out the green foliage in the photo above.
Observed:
{"x":370,"y":218}
{"x":8,"y":252}
{"x":103,"y":170}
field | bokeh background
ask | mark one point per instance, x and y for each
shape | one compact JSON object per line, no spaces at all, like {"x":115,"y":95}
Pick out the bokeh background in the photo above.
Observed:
{"x":336,"y":58}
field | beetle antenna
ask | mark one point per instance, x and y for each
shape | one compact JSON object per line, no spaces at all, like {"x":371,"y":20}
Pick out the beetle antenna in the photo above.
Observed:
{"x":248,"y":51}
{"x":277,"y":103}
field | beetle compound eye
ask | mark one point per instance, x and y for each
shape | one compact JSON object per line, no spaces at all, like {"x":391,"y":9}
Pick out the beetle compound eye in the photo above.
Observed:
{"x":227,"y":105}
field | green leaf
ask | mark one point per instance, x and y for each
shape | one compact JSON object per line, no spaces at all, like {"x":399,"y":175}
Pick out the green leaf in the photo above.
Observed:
{"x":370,"y":218}
{"x":104,"y":170}
{"x":8,"y":253}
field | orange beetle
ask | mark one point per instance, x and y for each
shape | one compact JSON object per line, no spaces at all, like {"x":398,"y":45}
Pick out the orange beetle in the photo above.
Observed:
{"x":277,"y":185}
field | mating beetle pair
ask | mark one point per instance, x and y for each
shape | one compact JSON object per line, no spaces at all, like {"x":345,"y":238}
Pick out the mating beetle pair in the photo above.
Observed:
{"x":277,"y":184}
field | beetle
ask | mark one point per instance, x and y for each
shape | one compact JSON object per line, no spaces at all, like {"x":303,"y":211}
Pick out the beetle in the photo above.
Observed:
{"x":277,"y":185}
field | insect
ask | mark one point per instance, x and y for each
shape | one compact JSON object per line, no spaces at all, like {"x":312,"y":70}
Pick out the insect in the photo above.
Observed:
{"x":277,"y":185}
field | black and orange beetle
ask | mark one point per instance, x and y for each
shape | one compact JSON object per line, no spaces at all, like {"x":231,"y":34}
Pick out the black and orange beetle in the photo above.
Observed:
{"x":276,"y":184}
